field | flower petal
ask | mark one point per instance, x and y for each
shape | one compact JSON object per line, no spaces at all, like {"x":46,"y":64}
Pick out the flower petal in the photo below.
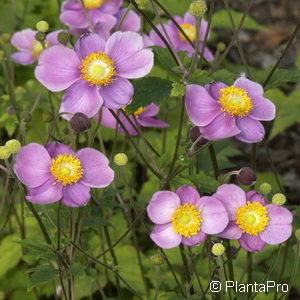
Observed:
{"x":74,"y":18}
{"x":75,"y":195}
{"x":46,"y":193}
{"x":81,"y":97}
{"x":251,"y":243}
{"x":252,"y":88}
{"x":165,"y":237}
{"x":188,"y":194}
{"x":232,"y":231}
{"x":232,"y":197}
{"x":223,"y":126}
{"x":214,"y":89}
{"x":117,"y":94}
{"x":96,"y":171}
{"x":107,"y":119}
{"x":214,"y":215}
{"x":55,"y":149}
{"x":162,"y":206}
{"x":202,"y":109}
{"x":263,"y":109}
{"x":24,"y":39}
{"x":89,"y":43}
{"x":58,"y":68}
{"x":32,"y":165}
{"x":151,"y":122}
{"x":253,"y":196}
{"x":252,"y":131}
{"x":194,"y":240}
{"x":151,"y":110}
{"x":132,"y":21}
{"x":23,"y":58}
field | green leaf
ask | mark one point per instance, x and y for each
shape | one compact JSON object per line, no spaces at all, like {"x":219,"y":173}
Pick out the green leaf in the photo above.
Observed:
{"x":225,"y":76}
{"x":200,"y":77}
{"x":282,"y":77}
{"x":78,"y":269}
{"x":41,"y":274}
{"x":94,"y":221}
{"x":149,"y":90}
{"x":221,"y":20}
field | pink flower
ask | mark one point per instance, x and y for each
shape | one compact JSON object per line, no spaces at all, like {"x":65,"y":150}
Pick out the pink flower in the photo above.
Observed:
{"x":221,"y":111}
{"x":56,"y":173}
{"x":251,"y":221}
{"x":184,"y":217}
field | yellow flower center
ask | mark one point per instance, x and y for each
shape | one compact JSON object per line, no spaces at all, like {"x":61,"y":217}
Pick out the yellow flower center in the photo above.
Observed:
{"x":189,"y":30}
{"x":37,"y":48}
{"x":186,"y":220}
{"x":66,"y":168}
{"x":139,"y":111}
{"x":252,"y":218}
{"x":98,"y":69}
{"x":91,"y":4}
{"x":235,"y":101}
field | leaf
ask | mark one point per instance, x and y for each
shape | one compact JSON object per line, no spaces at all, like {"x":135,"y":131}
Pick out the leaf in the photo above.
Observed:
{"x":94,"y":221}
{"x":78,"y":269}
{"x":221,"y":19}
{"x":149,"y":90}
{"x":225,"y":76}
{"x":282,"y":76}
{"x":206,"y":183}
{"x":200,"y":77}
{"x":41,"y":274}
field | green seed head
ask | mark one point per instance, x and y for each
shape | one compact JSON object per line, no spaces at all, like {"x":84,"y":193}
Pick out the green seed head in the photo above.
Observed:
{"x":157,"y":259}
{"x":4,"y":152}
{"x":279,"y":199}
{"x":198,"y":8}
{"x":13,"y":146}
{"x":42,"y":26}
{"x":120,"y":159}
{"x":218,"y":249}
{"x":265,"y":188}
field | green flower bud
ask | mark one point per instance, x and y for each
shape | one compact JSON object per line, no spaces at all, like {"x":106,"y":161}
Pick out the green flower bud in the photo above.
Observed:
{"x":141,"y":3}
{"x":217,"y":249}
{"x":198,"y":8}
{"x":13,"y":146}
{"x":157,"y":259}
{"x":30,"y":83}
{"x":25,"y":116}
{"x":40,"y":36}
{"x":63,"y":37}
{"x":4,"y":152}
{"x":278,"y":199}
{"x":42,"y":26}
{"x":297,"y":234}
{"x":265,"y":188}
{"x":5,"y":37}
{"x":120,"y":159}
{"x":221,"y":46}
{"x":47,"y":116}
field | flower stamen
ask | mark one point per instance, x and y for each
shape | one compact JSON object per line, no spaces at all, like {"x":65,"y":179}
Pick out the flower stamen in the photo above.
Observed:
{"x":189,"y":30}
{"x":92,"y":4}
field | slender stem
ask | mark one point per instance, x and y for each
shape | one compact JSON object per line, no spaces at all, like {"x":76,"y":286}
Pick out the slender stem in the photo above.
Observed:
{"x":157,"y":281}
{"x":214,"y":161}
{"x":249,"y":271}
{"x":123,"y":17}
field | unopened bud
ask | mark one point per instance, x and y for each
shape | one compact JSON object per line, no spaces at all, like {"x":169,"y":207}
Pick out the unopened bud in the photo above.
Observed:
{"x":120,"y":159}
{"x":5,"y":37}
{"x":141,"y":3}
{"x":80,"y":122}
{"x":25,"y":116}
{"x":42,"y":26}
{"x":218,"y":249}
{"x":63,"y":37}
{"x":278,"y":199}
{"x":297,"y":234}
{"x":47,"y":116}
{"x":40,"y":36}
{"x":157,"y":259}
{"x":198,"y":8}
{"x":265,"y":188}
{"x":13,"y":146}
{"x":246,"y":176}
{"x":195,"y":134}
{"x":4,"y":152}
{"x":221,"y":47}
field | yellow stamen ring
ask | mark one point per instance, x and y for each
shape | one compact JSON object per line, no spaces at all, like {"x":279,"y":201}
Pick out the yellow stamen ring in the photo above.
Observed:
{"x":186,"y":220}
{"x":139,"y":111}
{"x":66,"y":168}
{"x":91,"y":4}
{"x":252,"y":218}
{"x":189,"y":30}
{"x":98,"y":69}
{"x":235,"y":101}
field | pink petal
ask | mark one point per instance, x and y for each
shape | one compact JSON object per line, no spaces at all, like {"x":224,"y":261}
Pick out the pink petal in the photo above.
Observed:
{"x":81,"y":97}
{"x":55,"y":149}
{"x":74,"y":18}
{"x":24,"y":39}
{"x":96,"y":171}
{"x":202,"y":109}
{"x":132,"y":21}
{"x":251,"y":243}
{"x":253,"y":196}
{"x":232,"y":197}
{"x":214,"y":89}
{"x":165,"y":237}
{"x":232,"y":231}
{"x":252,"y":131}
{"x":32,"y":165}
{"x":75,"y":195}
{"x":151,"y":110}
{"x":23,"y":58}
{"x":58,"y":68}
{"x":214,"y":215}
{"x":194,"y":240}
{"x":252,"y":88}
{"x":263,"y":109}
{"x":162,"y":206}
{"x":188,"y":194}
{"x":151,"y":122}
{"x":49,"y":192}
{"x":107,"y":119}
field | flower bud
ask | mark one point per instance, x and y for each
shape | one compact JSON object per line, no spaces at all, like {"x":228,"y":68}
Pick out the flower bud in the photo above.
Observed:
{"x":42,"y":26}
{"x":221,"y":47}
{"x":157,"y":259}
{"x":218,"y":249}
{"x":63,"y":37}
{"x":30,"y":83}
{"x":265,"y":188}
{"x":297,"y":234}
{"x":13,"y":146}
{"x":198,"y":8}
{"x":47,"y":116}
{"x":80,"y":122}
{"x":25,"y":116}
{"x":278,"y":199}
{"x":4,"y":152}
{"x":246,"y":176}
{"x":40,"y":36}
{"x":120,"y":159}
{"x":195,"y":134}
{"x":141,"y":3}
{"x":5,"y":37}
